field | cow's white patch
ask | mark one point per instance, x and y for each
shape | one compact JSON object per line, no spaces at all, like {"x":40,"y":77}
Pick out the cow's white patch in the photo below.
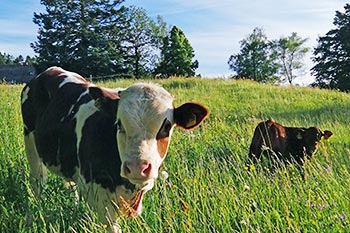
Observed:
{"x":70,"y":111}
{"x":71,"y":78}
{"x":25,"y":94}
{"x":84,"y":112}
{"x":82,"y":95}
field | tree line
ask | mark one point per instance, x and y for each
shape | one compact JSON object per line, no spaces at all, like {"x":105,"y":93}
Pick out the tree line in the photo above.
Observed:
{"x":105,"y":38}
{"x":7,"y":59}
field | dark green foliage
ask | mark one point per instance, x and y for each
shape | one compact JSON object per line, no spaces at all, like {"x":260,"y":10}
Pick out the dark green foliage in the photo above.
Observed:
{"x":177,"y":55}
{"x":83,"y":36}
{"x":256,"y":60}
{"x":332,"y":55}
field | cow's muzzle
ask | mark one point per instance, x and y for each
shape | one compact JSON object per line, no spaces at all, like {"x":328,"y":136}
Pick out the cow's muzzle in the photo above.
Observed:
{"x":139,"y":173}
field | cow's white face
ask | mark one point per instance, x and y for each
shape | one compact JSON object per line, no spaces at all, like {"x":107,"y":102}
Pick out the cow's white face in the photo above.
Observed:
{"x":145,"y":120}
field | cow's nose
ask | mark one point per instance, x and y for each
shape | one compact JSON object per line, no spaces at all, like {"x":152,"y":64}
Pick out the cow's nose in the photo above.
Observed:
{"x":137,"y":169}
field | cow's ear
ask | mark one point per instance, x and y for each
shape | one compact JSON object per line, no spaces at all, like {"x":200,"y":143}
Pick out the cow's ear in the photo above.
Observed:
{"x":104,"y":100}
{"x":327,"y":134}
{"x":190,"y":115}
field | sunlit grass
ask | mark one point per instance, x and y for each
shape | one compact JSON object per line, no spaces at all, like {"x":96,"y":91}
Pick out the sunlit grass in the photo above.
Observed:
{"x":209,"y":188}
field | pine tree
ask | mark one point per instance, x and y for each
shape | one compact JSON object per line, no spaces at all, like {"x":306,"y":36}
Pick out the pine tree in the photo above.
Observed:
{"x":177,"y":55}
{"x":81,"y":35}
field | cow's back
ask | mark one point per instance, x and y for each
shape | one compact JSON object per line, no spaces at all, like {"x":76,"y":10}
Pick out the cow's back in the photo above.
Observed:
{"x":48,"y":105}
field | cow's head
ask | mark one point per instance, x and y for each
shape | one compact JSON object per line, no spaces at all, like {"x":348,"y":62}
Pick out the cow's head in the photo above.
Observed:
{"x":145,"y":118}
{"x":311,"y":137}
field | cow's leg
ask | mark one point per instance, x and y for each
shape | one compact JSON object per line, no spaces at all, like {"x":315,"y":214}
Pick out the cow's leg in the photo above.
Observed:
{"x":38,"y":174}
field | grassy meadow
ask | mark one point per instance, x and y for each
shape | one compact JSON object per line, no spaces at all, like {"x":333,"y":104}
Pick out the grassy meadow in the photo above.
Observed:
{"x":208,"y":189}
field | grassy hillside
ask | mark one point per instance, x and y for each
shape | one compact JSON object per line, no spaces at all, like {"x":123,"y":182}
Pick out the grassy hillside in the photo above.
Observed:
{"x":208,"y":189}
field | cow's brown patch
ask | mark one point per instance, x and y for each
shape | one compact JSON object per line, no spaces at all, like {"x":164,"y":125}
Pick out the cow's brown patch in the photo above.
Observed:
{"x":162,"y":144}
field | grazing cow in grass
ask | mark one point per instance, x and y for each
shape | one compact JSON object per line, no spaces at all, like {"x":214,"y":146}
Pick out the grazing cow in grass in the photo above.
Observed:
{"x":109,"y":142}
{"x":287,"y":144}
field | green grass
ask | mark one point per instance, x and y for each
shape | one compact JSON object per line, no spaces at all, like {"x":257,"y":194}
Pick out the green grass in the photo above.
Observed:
{"x":208,"y":189}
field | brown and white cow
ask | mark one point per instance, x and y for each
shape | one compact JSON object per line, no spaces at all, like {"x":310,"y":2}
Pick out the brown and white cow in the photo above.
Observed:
{"x":286,"y":144}
{"x":109,"y":142}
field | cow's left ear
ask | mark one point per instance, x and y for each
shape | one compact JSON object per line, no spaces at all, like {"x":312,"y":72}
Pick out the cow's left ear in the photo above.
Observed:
{"x":327,"y":134}
{"x":190,"y":115}
{"x":104,"y":100}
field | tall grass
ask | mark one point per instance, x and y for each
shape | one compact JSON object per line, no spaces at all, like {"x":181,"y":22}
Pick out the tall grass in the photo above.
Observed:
{"x":208,"y":189}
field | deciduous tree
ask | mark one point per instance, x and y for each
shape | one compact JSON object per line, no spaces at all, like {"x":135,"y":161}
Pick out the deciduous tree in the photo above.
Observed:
{"x":256,"y":59}
{"x":290,"y":52}
{"x":142,"y":41}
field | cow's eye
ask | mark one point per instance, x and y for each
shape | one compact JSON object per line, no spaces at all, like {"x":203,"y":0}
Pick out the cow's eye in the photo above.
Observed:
{"x":164,"y":129}
{"x":119,"y":126}
{"x":318,"y":136}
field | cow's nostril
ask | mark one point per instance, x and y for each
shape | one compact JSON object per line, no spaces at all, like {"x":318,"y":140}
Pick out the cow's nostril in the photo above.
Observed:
{"x":127,"y":169}
{"x":146,"y":169}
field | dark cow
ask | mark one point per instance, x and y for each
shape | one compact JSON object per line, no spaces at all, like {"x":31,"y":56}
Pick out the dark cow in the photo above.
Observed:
{"x":286,"y":144}
{"x":109,"y":142}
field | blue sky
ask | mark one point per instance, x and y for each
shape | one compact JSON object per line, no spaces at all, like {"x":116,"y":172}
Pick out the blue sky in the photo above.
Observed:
{"x":214,"y":28}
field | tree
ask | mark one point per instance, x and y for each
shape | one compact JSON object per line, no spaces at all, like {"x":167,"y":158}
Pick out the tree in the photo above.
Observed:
{"x":143,"y":41}
{"x":332,"y":54}
{"x":81,"y":35}
{"x":19,"y":60}
{"x":290,"y":52}
{"x":177,"y":55}
{"x":256,"y":60}
{"x":6,"y":59}
{"x":30,"y":61}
